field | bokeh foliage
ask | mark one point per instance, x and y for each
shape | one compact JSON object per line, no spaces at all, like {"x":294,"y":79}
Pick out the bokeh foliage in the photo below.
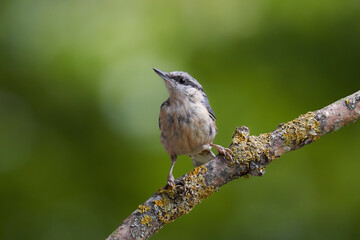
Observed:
{"x":79,"y":102}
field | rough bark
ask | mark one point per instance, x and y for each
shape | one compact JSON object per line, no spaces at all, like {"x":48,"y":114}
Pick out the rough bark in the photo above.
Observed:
{"x":250,"y":156}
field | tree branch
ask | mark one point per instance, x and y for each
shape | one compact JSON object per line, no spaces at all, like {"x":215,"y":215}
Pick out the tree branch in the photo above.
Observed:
{"x":250,"y":156}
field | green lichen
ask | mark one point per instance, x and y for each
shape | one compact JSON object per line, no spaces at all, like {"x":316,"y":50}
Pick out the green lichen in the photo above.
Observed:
{"x":173,"y":203}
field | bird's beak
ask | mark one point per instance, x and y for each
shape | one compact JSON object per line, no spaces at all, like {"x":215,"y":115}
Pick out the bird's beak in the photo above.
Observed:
{"x":163,"y":75}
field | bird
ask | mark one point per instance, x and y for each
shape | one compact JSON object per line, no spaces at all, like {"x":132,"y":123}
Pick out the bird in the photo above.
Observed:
{"x":187,"y":122}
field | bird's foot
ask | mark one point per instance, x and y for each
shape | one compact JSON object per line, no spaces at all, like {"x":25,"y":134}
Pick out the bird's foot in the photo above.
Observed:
{"x":224,"y":151}
{"x":171,"y":181}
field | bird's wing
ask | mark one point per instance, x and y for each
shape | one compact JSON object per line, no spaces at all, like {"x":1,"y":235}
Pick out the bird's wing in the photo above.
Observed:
{"x":207,"y":105}
{"x":164,"y":104}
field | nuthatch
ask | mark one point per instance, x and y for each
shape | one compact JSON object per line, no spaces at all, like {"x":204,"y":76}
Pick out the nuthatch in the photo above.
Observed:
{"x":186,"y":121}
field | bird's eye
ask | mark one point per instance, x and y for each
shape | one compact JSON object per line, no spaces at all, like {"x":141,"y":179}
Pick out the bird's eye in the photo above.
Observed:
{"x":181,"y":80}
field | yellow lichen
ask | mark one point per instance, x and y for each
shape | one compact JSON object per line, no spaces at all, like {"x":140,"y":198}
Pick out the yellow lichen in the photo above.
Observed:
{"x":253,"y":149}
{"x":159,"y":203}
{"x":164,"y":217}
{"x":169,"y":191}
{"x":162,"y":202}
{"x":197,"y":171}
{"x":146,"y":220}
{"x":247,"y":148}
{"x":347,"y":102}
{"x":351,"y":103}
{"x":301,"y":129}
{"x":143,"y":208}
{"x":180,"y":201}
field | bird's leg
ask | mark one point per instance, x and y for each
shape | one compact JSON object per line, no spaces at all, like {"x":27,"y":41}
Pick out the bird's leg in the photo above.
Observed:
{"x":224,"y":151}
{"x":171,"y":180}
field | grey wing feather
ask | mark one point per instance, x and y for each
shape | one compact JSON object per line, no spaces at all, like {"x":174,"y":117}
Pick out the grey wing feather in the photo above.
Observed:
{"x":164,"y":104}
{"x":207,"y":105}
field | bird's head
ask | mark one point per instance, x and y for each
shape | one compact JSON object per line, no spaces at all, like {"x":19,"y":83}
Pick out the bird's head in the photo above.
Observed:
{"x":180,"y":84}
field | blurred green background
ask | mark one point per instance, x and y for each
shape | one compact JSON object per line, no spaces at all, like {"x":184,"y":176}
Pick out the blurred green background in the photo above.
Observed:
{"x":79,"y":104}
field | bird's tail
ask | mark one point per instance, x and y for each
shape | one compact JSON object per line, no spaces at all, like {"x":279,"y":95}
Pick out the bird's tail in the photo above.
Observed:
{"x":203,"y":157}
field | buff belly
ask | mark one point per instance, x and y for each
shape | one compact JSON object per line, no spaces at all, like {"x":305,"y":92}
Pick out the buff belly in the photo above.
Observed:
{"x":188,"y":133}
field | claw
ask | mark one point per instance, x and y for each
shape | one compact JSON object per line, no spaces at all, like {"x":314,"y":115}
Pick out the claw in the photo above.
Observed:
{"x":224,"y":151}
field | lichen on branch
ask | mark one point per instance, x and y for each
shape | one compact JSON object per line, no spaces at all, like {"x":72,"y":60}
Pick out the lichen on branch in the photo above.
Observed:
{"x":177,"y":202}
{"x":251,"y":154}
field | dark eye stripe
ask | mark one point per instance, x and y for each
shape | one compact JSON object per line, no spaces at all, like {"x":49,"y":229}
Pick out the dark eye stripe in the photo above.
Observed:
{"x":189,"y":83}
{"x":182,"y":80}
